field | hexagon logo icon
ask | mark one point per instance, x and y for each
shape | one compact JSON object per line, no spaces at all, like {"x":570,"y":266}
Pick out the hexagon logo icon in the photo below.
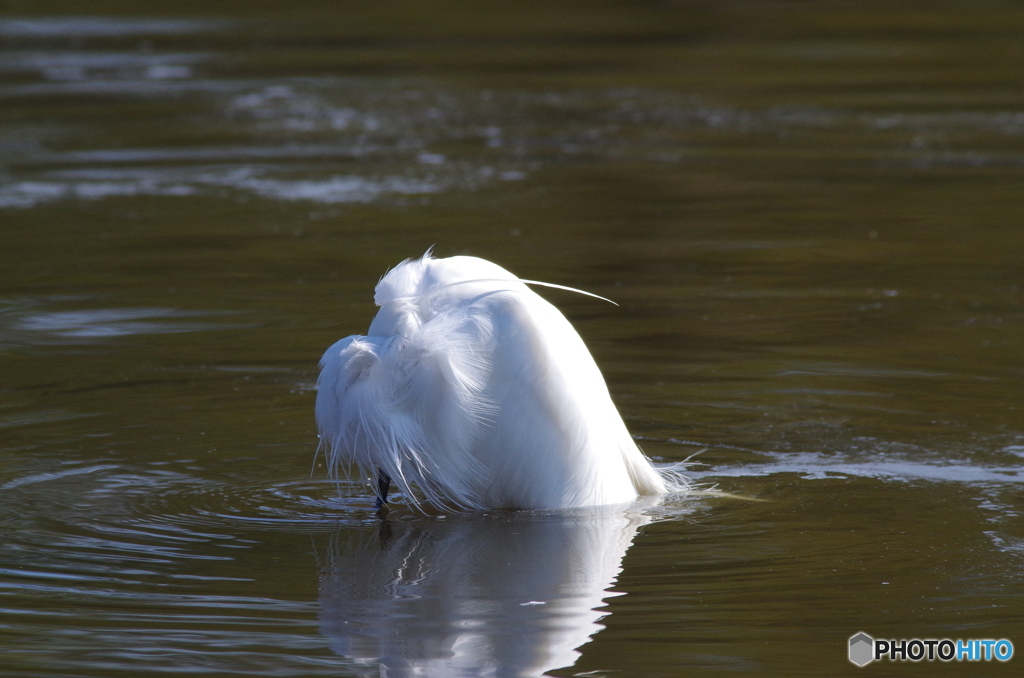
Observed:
{"x":862,"y":649}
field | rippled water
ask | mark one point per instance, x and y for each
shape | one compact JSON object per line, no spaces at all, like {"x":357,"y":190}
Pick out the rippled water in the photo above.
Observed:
{"x":809,"y":213}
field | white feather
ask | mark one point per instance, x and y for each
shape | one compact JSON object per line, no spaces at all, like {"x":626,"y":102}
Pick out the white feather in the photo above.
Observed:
{"x":478,"y":392}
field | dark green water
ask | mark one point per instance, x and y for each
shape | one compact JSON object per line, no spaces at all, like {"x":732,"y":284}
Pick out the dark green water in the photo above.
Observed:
{"x":811,"y":214}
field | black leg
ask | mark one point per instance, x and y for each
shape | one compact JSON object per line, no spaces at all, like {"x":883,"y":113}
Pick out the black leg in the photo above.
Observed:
{"x":383,"y":485}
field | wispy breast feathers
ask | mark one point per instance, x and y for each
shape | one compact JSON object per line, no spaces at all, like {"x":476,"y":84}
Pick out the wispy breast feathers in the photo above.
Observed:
{"x":411,"y":405}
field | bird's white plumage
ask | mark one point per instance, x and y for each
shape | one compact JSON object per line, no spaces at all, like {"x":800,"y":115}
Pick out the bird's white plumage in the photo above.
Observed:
{"x":474,"y":389}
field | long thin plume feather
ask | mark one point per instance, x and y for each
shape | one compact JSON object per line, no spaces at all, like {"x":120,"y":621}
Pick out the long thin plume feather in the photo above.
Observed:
{"x":441,"y":288}
{"x":568,"y":289}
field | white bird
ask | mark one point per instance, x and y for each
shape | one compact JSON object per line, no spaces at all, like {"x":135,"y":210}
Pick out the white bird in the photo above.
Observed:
{"x":480,"y":393}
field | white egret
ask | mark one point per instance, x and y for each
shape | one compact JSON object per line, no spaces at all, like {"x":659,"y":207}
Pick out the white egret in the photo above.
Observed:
{"x":480,"y":393}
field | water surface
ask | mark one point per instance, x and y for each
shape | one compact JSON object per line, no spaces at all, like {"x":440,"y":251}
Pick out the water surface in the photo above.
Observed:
{"x":809,"y":213}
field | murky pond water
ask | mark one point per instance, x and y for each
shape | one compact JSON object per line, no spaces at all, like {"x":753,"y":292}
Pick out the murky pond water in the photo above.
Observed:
{"x":810,"y":214}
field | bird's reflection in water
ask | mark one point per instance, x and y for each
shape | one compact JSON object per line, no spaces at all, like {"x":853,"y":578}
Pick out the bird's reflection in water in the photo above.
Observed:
{"x":496,"y":594}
